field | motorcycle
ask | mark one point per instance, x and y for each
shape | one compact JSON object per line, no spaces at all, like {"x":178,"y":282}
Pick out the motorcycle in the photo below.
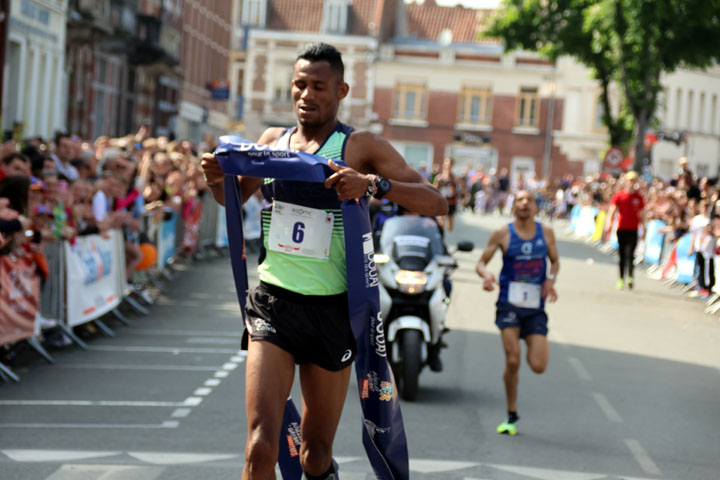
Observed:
{"x":414,"y":267}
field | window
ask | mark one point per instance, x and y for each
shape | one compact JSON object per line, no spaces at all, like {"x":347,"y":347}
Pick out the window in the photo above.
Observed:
{"x":702,"y":170}
{"x":410,"y":101}
{"x":335,"y":15}
{"x":475,"y":106}
{"x":713,"y":114}
{"x":678,"y":107}
{"x":598,"y":124}
{"x":415,"y":154}
{"x":527,"y":115}
{"x":701,"y":114}
{"x":254,"y":12}
{"x":688,"y":120}
{"x":282,"y":82}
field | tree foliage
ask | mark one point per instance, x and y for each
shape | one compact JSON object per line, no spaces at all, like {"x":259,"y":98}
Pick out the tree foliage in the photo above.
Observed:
{"x":630,"y":42}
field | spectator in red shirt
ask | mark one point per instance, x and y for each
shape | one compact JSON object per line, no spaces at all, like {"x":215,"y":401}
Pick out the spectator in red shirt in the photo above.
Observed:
{"x":628,"y":204}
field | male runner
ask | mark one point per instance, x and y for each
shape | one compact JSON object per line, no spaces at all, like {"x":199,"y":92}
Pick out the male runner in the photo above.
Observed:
{"x":524,"y":287}
{"x":628,"y":204}
{"x":299,"y":312}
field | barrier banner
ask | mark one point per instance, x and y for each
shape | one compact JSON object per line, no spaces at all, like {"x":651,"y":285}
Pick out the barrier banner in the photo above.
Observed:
{"x":685,"y":260}
{"x":221,"y":238}
{"x":191,"y":214}
{"x":383,"y":433}
{"x":575,"y":217}
{"x":166,"y":240}
{"x":19,"y":298}
{"x":597,"y":235}
{"x":654,"y":242}
{"x":94,"y":286}
{"x":586,"y":222}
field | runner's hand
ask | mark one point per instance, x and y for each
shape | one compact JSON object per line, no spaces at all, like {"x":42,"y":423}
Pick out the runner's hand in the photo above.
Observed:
{"x":548,"y":291}
{"x":489,"y":283}
{"x":348,"y":182}
{"x":211,"y":168}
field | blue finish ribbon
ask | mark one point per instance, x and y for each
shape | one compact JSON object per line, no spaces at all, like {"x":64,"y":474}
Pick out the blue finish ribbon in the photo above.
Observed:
{"x":383,"y":431}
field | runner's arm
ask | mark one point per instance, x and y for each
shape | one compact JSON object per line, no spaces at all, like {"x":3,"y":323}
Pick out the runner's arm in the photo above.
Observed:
{"x":374,"y":154}
{"x":549,"y":286}
{"x":248,"y":185}
{"x":494,"y":243}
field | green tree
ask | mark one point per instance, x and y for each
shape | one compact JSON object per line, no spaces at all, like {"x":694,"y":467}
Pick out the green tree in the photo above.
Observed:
{"x":631,"y":42}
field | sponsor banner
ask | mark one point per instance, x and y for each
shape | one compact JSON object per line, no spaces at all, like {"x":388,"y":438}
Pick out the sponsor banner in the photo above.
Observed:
{"x":19,"y":298}
{"x":94,"y":283}
{"x":221,"y":237}
{"x":191,"y":225}
{"x":654,"y":241}
{"x":166,"y":240}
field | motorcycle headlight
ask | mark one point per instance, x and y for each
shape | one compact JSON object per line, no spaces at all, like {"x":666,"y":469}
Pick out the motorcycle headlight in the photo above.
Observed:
{"x":381,"y":258}
{"x":409,"y":281}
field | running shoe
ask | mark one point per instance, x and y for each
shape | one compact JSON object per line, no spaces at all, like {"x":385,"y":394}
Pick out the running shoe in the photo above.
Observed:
{"x":631,"y":282}
{"x":507,"y":428}
{"x":620,"y":284}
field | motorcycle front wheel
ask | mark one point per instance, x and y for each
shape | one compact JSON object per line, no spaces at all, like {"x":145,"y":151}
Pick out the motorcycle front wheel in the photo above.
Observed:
{"x":410,"y":344}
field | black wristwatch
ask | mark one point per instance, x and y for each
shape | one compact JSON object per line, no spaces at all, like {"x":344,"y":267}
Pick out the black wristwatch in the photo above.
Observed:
{"x":383,"y":186}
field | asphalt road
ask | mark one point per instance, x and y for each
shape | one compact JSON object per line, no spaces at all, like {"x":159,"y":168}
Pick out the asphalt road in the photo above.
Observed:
{"x":632,"y":390}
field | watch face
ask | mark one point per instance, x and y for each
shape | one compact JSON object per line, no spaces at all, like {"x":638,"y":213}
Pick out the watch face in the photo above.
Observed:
{"x":384,"y":184}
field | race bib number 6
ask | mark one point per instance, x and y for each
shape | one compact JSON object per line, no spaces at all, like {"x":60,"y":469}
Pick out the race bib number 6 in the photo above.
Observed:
{"x":298,"y":230}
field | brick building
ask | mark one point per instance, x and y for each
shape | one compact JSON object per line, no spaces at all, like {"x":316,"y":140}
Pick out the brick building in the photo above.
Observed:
{"x":268,"y":35}
{"x":440,"y":91}
{"x":207,"y":30}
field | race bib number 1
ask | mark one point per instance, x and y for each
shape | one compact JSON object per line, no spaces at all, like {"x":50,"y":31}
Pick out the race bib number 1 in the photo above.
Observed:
{"x":524,"y":295}
{"x":302,"y":231}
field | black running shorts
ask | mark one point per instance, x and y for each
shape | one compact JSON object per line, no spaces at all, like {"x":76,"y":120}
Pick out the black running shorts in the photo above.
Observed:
{"x":313,"y":329}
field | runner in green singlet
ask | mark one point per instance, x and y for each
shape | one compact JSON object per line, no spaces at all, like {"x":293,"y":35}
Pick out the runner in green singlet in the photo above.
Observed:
{"x":298,"y":313}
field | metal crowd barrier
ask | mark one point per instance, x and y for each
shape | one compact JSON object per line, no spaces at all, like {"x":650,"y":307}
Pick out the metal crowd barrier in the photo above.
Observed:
{"x":53,"y":302}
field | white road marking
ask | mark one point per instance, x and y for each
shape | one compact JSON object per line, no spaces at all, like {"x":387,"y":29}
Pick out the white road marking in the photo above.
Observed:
{"x":202,"y":391}
{"x":192,"y":402}
{"x":113,"y":366}
{"x":213,"y":341}
{"x":548,"y":474}
{"x":212,"y":382}
{"x":55,"y":455}
{"x":238,"y":358}
{"x":230,"y":366}
{"x":146,"y":426}
{"x":434,"y":466}
{"x":89,"y":403}
{"x":161,"y":458}
{"x":183,"y":333}
{"x":221,"y":374}
{"x":580,"y":369}
{"x":173,"y":350}
{"x":106,"y":472}
{"x":181,"y":412}
{"x":642,"y":457}
{"x":170,"y":424}
{"x":607,"y":408}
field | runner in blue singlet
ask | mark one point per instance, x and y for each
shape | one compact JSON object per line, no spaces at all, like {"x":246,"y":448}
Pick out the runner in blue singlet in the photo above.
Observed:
{"x":524,"y":287}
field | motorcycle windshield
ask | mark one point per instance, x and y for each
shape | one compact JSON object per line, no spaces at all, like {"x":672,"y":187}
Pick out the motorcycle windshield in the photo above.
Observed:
{"x":412,"y":241}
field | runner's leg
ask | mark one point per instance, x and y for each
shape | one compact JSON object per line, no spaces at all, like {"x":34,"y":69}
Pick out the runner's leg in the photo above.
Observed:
{"x":622,"y":249}
{"x":511,"y":344}
{"x":632,"y":243}
{"x":269,"y":374}
{"x":324,"y":395}
{"x":538,"y":352}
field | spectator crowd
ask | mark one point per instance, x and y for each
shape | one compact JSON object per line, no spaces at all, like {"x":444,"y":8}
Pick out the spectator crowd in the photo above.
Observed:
{"x":60,"y":189}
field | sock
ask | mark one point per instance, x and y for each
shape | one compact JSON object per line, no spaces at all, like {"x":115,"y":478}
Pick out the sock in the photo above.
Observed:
{"x":512,"y":417}
{"x":329,"y":475}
